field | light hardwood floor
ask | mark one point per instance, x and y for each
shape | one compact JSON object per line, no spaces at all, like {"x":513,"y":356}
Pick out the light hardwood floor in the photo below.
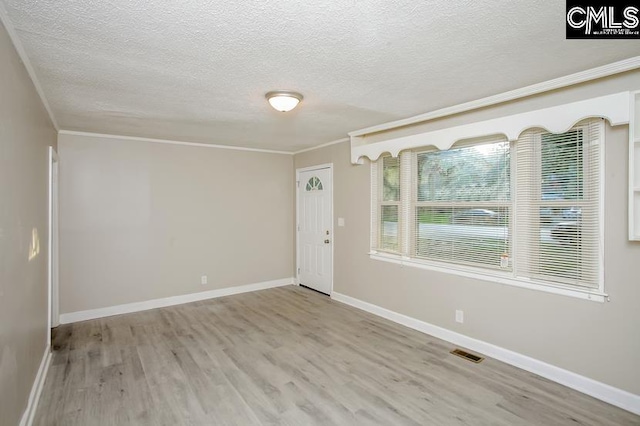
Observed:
{"x":288,"y":356}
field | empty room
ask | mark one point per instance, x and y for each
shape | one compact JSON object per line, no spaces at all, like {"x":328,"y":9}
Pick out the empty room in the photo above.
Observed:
{"x":333,"y":212}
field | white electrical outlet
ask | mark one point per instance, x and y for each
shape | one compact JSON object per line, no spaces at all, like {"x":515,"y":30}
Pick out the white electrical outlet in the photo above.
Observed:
{"x":341,"y":221}
{"x":204,"y":279}
{"x":459,"y":316}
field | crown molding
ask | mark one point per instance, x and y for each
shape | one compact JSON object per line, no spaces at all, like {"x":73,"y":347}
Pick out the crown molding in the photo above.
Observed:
{"x":534,"y":89}
{"x":17,"y":44}
{"x":170,"y":142}
{"x":324,"y":145}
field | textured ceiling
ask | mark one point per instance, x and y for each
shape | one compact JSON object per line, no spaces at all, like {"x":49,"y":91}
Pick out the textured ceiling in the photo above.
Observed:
{"x":197,"y":70}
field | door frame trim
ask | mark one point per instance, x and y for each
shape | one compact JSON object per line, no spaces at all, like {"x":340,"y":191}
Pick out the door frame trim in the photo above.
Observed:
{"x":52,"y":252}
{"x":297,"y":224}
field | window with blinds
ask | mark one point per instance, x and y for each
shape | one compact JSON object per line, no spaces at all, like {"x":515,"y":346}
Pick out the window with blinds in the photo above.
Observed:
{"x":462,"y":204}
{"x":528,"y":209}
{"x":558,"y":198}
{"x":389,"y":204}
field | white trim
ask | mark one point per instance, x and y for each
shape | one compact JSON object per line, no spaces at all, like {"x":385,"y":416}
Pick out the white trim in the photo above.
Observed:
{"x":52,"y":252}
{"x":17,"y":44}
{"x":324,"y":145}
{"x":599,"y":390}
{"x":310,"y":168}
{"x":602,"y":173}
{"x":297,"y":222}
{"x":36,"y":389}
{"x":171,"y":142}
{"x":297,"y":229}
{"x":50,"y":248}
{"x":534,"y":89}
{"x":556,"y":119}
{"x":169,"y":301}
{"x":595,"y":295}
{"x":634,"y":166}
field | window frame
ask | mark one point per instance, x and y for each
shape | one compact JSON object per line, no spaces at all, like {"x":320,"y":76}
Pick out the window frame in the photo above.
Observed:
{"x":581,"y":202}
{"x":508,"y":277}
{"x":381,"y":202}
{"x":416,"y":204}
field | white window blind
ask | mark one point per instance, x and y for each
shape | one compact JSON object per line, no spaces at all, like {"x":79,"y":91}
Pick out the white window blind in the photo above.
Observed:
{"x":462,"y":204}
{"x":529,"y":209}
{"x":558,"y":205}
{"x":389,"y":205}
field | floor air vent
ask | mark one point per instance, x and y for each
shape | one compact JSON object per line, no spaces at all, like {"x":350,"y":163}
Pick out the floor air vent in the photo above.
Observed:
{"x":467,"y":355}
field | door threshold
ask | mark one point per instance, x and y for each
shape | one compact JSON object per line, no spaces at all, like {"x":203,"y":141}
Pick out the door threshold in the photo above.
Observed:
{"x":313,"y":289}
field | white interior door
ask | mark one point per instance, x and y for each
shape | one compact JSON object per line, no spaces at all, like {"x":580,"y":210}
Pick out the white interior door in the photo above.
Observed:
{"x":315,"y":229}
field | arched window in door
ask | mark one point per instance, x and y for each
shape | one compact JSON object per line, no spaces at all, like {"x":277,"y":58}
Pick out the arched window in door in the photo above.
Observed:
{"x":314,"y":184}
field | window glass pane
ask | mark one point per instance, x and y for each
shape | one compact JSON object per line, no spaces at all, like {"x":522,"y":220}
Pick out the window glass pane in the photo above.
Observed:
{"x":389,"y":228}
{"x":476,"y":173}
{"x":452,"y":225}
{"x":562,"y":166}
{"x":314,"y":184}
{"x":562,"y":170}
{"x":474,"y":236}
{"x":391,"y":179}
{"x":558,"y":223}
{"x":561,"y":246}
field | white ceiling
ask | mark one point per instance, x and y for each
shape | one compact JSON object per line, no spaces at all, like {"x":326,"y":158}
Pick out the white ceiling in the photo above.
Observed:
{"x":197,"y":70}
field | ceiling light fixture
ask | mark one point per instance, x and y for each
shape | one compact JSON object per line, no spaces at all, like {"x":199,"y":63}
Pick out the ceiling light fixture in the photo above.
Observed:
{"x":283,"y":100}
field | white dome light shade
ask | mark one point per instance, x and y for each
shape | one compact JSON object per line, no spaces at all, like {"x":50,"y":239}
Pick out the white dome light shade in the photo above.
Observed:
{"x":283,"y":101}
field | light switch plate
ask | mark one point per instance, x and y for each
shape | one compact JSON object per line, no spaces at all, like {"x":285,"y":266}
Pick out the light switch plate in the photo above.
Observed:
{"x":341,"y":221}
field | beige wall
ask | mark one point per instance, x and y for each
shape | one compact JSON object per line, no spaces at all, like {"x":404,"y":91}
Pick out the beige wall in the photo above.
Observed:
{"x":143,"y":220}
{"x":597,"y":340}
{"x":614,"y":84}
{"x":25,"y":134}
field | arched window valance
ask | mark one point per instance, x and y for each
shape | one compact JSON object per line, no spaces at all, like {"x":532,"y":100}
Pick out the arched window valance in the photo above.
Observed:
{"x":556,"y":119}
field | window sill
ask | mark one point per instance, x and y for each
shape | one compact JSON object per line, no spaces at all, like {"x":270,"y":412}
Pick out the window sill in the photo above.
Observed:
{"x":498,"y":277}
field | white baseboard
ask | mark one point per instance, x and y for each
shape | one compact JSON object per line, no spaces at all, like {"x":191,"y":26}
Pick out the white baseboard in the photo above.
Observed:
{"x":169,"y":301}
{"x":36,"y":389}
{"x":599,"y":390}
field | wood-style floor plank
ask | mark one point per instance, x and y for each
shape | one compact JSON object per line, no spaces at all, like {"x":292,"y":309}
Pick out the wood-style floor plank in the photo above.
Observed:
{"x":288,"y":356}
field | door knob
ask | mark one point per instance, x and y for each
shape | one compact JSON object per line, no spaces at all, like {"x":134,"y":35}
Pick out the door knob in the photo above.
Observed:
{"x":326,"y":241}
